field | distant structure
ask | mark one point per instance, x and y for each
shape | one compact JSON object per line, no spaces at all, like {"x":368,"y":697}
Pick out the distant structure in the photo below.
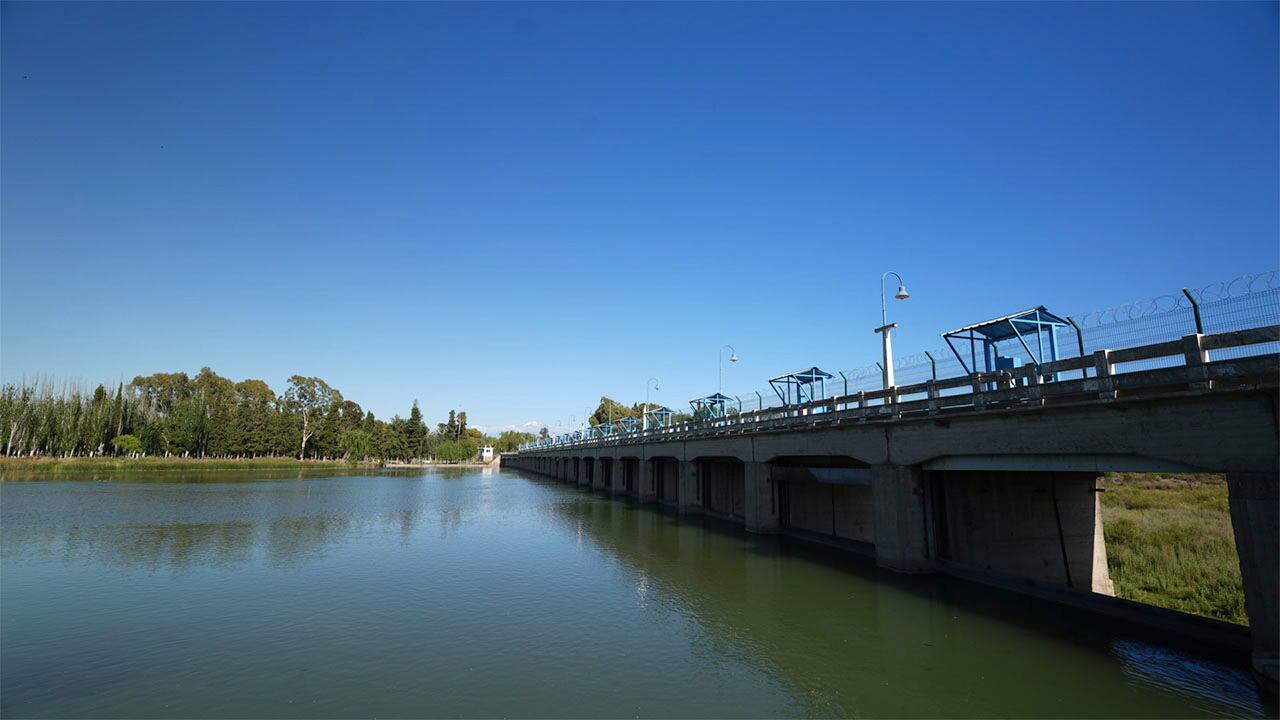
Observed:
{"x":486,"y":453}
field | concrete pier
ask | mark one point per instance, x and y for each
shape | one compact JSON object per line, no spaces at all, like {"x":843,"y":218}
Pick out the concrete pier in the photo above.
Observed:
{"x":1255,"y":518}
{"x":1008,"y":498}
{"x":689,"y":492}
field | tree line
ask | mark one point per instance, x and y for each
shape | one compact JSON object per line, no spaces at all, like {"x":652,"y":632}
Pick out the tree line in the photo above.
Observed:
{"x":610,"y":410}
{"x":172,"y":414}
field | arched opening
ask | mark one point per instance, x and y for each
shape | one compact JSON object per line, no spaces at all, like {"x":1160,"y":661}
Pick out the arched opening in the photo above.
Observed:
{"x":666,"y":487}
{"x":722,"y":488}
{"x":826,"y":499}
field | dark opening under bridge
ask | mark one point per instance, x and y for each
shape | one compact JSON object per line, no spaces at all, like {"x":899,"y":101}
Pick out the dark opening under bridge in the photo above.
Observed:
{"x":990,"y":476}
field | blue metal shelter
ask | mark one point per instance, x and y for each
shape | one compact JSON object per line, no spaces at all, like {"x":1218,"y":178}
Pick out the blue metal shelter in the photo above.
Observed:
{"x":711,"y":406}
{"x":603,"y":429}
{"x":659,"y":417}
{"x":1035,"y":330}
{"x":801,"y":386}
{"x":628,"y":424}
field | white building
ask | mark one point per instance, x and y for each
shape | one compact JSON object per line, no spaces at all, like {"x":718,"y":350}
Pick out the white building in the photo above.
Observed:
{"x":486,"y":453}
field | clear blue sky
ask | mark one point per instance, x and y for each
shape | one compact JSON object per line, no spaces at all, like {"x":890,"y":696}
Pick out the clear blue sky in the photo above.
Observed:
{"x":514,"y":209}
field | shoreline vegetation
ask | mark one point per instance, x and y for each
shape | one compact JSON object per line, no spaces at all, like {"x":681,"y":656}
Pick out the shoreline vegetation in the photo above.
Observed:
{"x":1169,"y":537}
{"x":1170,"y":543}
{"x":170,"y":415}
{"x":40,"y":466}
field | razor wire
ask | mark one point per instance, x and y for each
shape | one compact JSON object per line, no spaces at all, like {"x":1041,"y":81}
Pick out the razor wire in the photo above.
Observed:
{"x":1248,"y":301}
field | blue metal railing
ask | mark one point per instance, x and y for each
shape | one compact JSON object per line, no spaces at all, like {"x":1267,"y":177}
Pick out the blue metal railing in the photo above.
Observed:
{"x":1245,"y":302}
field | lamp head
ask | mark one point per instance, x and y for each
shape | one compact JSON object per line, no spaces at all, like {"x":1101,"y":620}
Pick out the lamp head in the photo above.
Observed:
{"x":657,"y":387}
{"x":733,"y":357}
{"x":902,"y":293}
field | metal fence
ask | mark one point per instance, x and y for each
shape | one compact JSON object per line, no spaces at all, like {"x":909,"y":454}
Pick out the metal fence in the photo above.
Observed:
{"x":1245,"y":302}
{"x":1248,"y":301}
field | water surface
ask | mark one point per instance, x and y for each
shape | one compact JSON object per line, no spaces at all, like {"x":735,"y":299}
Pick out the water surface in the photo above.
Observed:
{"x":481,"y":593}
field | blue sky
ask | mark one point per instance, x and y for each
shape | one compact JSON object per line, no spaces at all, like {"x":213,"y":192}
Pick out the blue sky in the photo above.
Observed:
{"x":514,"y":209}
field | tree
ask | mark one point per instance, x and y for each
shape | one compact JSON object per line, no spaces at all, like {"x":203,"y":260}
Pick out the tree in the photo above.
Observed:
{"x":255,"y":418}
{"x":356,"y":444}
{"x":610,"y":410}
{"x":415,"y":432}
{"x":544,"y":433}
{"x":127,"y":444}
{"x":511,"y":440}
{"x":308,"y":397}
{"x":457,"y":450}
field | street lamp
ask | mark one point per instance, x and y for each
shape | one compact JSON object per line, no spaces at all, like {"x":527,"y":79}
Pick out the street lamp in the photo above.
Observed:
{"x":733,"y":358}
{"x":886,"y":327}
{"x":645,"y":420}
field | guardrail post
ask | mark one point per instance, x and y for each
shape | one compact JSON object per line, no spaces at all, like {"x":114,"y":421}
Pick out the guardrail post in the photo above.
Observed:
{"x":932,"y":390}
{"x":1197,"y":359}
{"x":1034,"y":382}
{"x":1084,"y":372}
{"x":979,"y":396}
{"x":1102,"y":363}
{"x":1195,"y":308}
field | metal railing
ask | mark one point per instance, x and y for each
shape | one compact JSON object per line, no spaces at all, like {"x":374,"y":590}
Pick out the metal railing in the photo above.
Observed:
{"x":1187,"y":367}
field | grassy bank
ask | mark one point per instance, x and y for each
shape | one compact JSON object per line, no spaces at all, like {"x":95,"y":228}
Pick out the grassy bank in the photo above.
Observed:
{"x":1170,"y":543}
{"x":35,"y":466}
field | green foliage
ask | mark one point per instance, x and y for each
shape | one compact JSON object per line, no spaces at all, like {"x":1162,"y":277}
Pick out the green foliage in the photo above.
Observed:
{"x":127,"y":444}
{"x":510,"y":441}
{"x":610,"y":410}
{"x":172,"y":415}
{"x":457,"y":450}
{"x":1170,"y":543}
{"x":356,"y":445}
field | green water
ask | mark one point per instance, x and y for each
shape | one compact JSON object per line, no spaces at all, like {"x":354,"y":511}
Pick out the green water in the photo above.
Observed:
{"x":482,"y":594}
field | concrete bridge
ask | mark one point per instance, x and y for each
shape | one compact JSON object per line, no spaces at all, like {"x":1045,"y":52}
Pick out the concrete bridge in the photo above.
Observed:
{"x":996,"y":482}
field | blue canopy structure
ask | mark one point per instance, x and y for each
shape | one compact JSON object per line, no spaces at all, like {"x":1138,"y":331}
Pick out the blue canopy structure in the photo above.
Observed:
{"x":1032,"y":329}
{"x":659,"y":417}
{"x":628,"y":424}
{"x":801,"y":386}
{"x":603,"y":429}
{"x":711,"y":406}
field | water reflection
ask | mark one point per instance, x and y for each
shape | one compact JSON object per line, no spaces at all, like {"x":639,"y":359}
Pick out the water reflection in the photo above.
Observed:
{"x":456,"y":592}
{"x":854,"y":641}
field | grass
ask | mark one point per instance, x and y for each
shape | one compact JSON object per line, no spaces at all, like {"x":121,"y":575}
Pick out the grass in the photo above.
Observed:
{"x":1170,"y":543}
{"x":29,"y":466}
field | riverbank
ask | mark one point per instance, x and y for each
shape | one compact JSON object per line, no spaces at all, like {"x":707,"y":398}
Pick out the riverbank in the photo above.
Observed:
{"x":39,"y":466}
{"x":1170,"y":543}
{"x":29,"y":466}
{"x":423,"y":465}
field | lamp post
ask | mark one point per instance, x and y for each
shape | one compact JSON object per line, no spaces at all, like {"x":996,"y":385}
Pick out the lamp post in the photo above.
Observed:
{"x":733,"y":358}
{"x":886,"y":328}
{"x":644,"y":421}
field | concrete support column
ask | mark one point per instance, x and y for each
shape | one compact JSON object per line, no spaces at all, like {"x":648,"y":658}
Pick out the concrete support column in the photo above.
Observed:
{"x":618,"y":477}
{"x":646,"y":488}
{"x":1100,"y":574}
{"x":597,"y":474}
{"x":1255,"y":518}
{"x":761,"y":498}
{"x":902,"y":537}
{"x":688,"y":493}
{"x":585,"y":466}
